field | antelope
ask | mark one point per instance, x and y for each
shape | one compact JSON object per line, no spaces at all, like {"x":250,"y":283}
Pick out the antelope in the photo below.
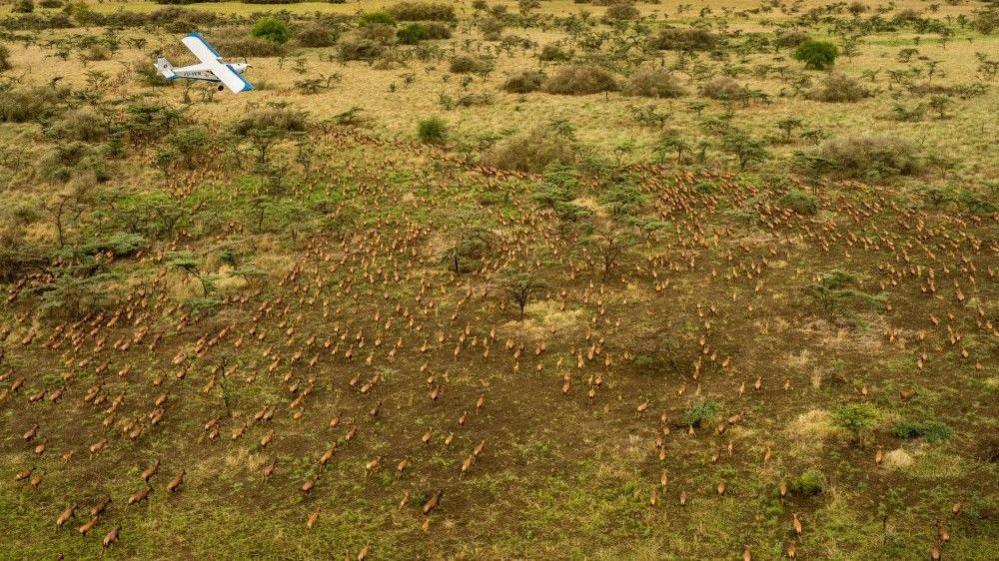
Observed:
{"x":100,"y":507}
{"x":434,"y":501}
{"x":175,"y":483}
{"x":30,"y":434}
{"x":140,"y":496}
{"x":87,"y":527}
{"x":309,"y":484}
{"x":150,"y":471}
{"x":111,"y":537}
{"x":65,"y":516}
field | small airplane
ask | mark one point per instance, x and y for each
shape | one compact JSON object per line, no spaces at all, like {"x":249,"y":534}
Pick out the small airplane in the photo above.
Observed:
{"x":212,"y":67}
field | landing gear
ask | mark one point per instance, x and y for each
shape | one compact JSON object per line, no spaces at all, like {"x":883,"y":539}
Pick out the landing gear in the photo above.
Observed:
{"x":221,"y":87}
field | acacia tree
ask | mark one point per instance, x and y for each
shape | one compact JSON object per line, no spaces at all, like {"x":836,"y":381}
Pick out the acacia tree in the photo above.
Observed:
{"x":471,"y":247}
{"x":520,"y":286}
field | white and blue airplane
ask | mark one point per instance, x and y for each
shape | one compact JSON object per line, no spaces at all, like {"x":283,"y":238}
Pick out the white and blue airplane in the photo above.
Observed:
{"x":212,"y":67}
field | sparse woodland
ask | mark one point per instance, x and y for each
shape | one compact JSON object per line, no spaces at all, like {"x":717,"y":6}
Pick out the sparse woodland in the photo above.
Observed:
{"x":501,"y":280}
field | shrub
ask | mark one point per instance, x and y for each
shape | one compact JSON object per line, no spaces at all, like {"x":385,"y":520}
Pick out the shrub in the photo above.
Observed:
{"x":422,"y":11}
{"x":378,"y":32}
{"x":4,"y":58}
{"x":119,"y":244}
{"x":464,"y":64}
{"x":622,"y":11}
{"x":856,"y":419}
{"x":437,"y":30}
{"x":96,"y":52}
{"x":553,"y":53}
{"x":360,"y":49}
{"x":376,"y":18}
{"x":986,"y":22}
{"x":432,"y":130}
{"x":249,"y":47}
{"x":83,"y":123}
{"x":317,"y":36}
{"x":23,"y":7}
{"x":412,"y":34}
{"x":724,"y":88}
{"x":690,"y":39}
{"x":579,"y":79}
{"x":872,"y":157}
{"x":817,"y":55}
{"x":51,"y":4}
{"x":491,"y":28}
{"x":653,"y":82}
{"x":31,"y":104}
{"x":791,"y":38}
{"x":73,"y":159}
{"x":534,"y":151}
{"x":285,"y":120}
{"x":525,"y":81}
{"x":811,"y":482}
{"x":839,"y":88}
{"x":701,"y":414}
{"x":800,"y":202}
{"x":932,"y":431}
{"x":271,"y":29}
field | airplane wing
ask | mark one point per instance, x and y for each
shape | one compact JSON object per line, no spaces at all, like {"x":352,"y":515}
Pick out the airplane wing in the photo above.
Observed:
{"x":196,"y":43}
{"x":229,"y":77}
{"x":209,"y":58}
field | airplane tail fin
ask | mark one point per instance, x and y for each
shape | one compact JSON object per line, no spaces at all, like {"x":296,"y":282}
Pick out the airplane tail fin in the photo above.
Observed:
{"x":165,"y":68}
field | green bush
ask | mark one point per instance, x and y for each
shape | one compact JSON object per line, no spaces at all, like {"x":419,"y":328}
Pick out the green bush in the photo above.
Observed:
{"x":621,"y":11}
{"x":271,"y":29}
{"x":689,"y":39}
{"x":724,"y":88}
{"x":866,"y":157}
{"x":250,"y":47}
{"x":580,"y":79}
{"x":534,"y":151}
{"x":525,"y":81}
{"x":120,"y":244}
{"x":360,"y":49}
{"x":932,"y":431}
{"x":284,"y":120}
{"x":412,"y":34}
{"x":30,"y":104}
{"x":986,"y":22}
{"x":817,"y":55}
{"x":553,"y":53}
{"x":800,"y":202}
{"x":856,"y":419}
{"x":83,"y":123}
{"x":839,"y":88}
{"x":464,"y":64}
{"x":701,"y":414}
{"x":422,"y":11}
{"x":4,"y":58}
{"x":810,"y":483}
{"x":653,"y":82}
{"x":791,"y":38}
{"x":23,"y":7}
{"x":317,"y":36}
{"x":376,"y":18}
{"x":432,"y":130}
{"x":51,"y":4}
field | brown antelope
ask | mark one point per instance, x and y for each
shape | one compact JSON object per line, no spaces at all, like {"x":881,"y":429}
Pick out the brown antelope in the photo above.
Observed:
{"x":175,"y":483}
{"x":65,"y":516}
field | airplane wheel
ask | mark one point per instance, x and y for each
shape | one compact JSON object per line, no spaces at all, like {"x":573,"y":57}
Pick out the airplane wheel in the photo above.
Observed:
{"x":221,"y":88}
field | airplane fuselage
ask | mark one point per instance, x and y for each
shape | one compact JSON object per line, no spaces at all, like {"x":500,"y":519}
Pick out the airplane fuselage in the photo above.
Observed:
{"x":194,"y":72}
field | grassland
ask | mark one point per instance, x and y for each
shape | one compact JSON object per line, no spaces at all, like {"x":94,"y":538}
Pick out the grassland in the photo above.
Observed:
{"x":390,"y":309}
